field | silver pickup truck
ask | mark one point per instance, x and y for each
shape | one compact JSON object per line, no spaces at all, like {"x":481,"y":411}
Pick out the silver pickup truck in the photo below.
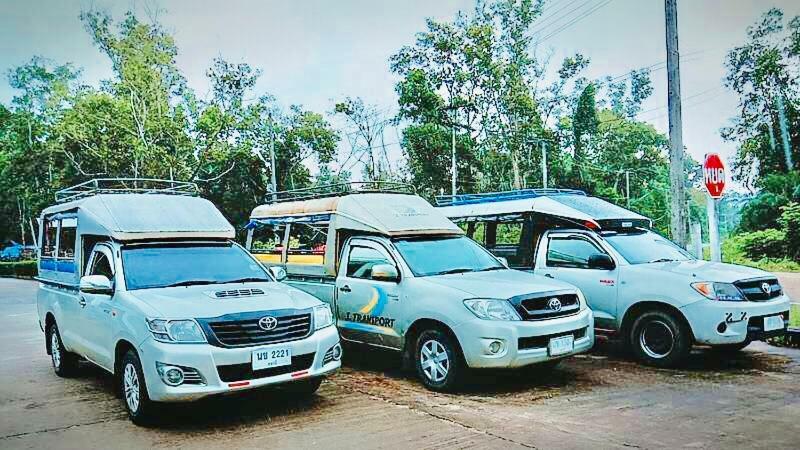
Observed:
{"x":399,"y":275}
{"x":643,"y":288}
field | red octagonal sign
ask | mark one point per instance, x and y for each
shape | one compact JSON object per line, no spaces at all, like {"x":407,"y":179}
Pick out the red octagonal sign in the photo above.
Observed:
{"x":714,"y":175}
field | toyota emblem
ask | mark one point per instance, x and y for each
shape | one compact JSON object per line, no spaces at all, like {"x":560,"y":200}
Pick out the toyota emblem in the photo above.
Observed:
{"x":267,"y":323}
{"x":554,"y":304}
{"x":766,"y":287}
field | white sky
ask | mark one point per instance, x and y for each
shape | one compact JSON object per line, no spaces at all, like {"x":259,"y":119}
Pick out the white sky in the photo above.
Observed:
{"x":317,"y":52}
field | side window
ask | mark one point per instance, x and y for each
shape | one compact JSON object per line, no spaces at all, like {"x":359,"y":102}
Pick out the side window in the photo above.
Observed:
{"x":66,"y":238}
{"x":307,"y":244}
{"x":49,"y":239}
{"x":570,"y":252}
{"x":101,"y":266}
{"x":362,"y":260}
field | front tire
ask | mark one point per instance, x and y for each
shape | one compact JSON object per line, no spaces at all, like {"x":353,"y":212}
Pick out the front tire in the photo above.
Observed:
{"x":141,"y":410}
{"x":660,"y":339}
{"x":438,"y":361}
{"x":65,"y":363}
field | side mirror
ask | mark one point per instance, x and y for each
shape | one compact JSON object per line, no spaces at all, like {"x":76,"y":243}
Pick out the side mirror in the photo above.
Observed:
{"x":601,"y":261}
{"x":278,"y":272}
{"x":503,"y":261}
{"x":96,"y":284}
{"x":385,"y":272}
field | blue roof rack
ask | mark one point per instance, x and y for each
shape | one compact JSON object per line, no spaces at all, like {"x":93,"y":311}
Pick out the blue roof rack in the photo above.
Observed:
{"x":489,"y":197}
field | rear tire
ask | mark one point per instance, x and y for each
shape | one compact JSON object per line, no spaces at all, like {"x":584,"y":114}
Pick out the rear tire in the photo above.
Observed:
{"x":438,"y":361}
{"x":65,"y":363}
{"x":141,"y":410}
{"x":660,"y":339}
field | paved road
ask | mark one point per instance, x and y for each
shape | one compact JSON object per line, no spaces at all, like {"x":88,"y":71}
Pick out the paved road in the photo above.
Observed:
{"x":601,"y":400}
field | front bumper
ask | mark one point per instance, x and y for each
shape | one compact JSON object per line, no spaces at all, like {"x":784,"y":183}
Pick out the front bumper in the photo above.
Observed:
{"x":718,"y":323}
{"x":524,"y":342}
{"x":205,"y":358}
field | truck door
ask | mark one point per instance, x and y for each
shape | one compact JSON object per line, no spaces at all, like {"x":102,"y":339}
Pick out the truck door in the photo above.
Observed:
{"x":96,"y":319}
{"x":367,"y":309}
{"x":565,"y":257}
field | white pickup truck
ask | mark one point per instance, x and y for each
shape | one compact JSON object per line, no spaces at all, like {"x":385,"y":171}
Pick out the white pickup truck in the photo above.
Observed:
{"x":642,"y":287}
{"x":400,"y":276}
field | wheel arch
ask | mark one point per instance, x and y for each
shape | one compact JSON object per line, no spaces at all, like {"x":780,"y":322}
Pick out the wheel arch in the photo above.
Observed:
{"x":417,"y":327}
{"x":120,"y":349}
{"x":49,"y":319}
{"x":638,"y":308}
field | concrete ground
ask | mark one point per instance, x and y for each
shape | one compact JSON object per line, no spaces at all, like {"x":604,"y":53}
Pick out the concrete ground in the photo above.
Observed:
{"x":601,"y":400}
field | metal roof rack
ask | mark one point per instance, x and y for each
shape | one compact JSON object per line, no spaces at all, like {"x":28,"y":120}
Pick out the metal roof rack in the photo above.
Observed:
{"x":502,"y":196}
{"x":125,"y":186}
{"x":337,"y":189}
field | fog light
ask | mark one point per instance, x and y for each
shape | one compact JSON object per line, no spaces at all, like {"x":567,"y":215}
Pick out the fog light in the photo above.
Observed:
{"x":722,"y":327}
{"x":170,"y":375}
{"x":337,"y":352}
{"x":495,"y":347}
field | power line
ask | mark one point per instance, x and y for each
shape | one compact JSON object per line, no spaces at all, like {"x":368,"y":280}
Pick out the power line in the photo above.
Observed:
{"x":546,"y":22}
{"x":575,"y":20}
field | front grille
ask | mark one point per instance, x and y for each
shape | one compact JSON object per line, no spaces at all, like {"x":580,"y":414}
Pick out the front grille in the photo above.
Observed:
{"x":753,"y":289}
{"x":238,"y":293}
{"x":243,"y":330}
{"x":525,"y":343}
{"x":538,"y":307}
{"x":241,"y":372}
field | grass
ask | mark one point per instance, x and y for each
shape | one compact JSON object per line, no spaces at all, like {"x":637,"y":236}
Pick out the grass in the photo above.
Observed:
{"x":794,"y":315}
{"x":732,"y":253}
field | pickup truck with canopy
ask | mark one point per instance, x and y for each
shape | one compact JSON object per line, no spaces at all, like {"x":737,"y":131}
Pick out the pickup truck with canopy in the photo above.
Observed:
{"x":642,"y":287}
{"x":143,"y":279}
{"x":401,"y":276}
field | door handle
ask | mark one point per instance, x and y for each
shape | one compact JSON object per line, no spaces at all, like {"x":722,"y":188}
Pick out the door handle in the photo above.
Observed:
{"x":345,"y":288}
{"x":549,"y":276}
{"x":82,"y":302}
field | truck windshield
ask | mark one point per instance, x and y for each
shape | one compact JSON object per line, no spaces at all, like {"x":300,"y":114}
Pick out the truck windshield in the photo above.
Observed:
{"x":646,"y":247}
{"x":188,"y":264}
{"x":443,"y":255}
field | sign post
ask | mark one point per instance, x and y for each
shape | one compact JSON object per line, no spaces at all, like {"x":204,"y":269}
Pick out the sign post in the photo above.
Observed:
{"x":714,"y":179}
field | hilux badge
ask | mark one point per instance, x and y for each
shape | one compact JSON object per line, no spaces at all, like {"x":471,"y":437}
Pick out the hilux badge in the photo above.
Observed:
{"x":554,"y":304}
{"x":267,"y":323}
{"x":766,"y":288}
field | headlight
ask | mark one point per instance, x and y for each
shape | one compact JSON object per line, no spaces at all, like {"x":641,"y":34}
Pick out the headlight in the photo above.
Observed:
{"x":180,"y":331}
{"x":491,"y":309}
{"x":724,"y":292}
{"x":322,"y":316}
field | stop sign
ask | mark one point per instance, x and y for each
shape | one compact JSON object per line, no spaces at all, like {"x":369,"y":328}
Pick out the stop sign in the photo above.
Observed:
{"x":714,"y":175}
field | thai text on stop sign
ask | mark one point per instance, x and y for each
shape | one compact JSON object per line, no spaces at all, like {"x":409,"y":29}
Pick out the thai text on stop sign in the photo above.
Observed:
{"x":714,"y":175}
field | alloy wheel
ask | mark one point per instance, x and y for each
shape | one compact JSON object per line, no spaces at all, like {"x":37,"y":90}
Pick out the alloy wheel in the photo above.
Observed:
{"x":130,"y":380}
{"x":657,"y":339}
{"x":434,"y":361}
{"x":55,"y":349}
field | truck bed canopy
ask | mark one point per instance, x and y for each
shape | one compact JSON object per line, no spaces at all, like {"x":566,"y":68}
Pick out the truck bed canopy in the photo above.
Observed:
{"x":382,"y":213}
{"x":572,"y":205}
{"x":127,"y":217}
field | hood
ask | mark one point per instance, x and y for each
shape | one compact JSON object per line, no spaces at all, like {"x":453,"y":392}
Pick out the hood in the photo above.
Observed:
{"x":194,"y":302}
{"x":499,"y":283}
{"x":708,"y":271}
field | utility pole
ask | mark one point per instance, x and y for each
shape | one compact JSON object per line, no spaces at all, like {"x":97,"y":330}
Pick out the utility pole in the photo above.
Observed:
{"x":676,"y":175}
{"x":544,"y":163}
{"x":273,"y":167}
{"x":628,"y":187}
{"x":454,"y":166}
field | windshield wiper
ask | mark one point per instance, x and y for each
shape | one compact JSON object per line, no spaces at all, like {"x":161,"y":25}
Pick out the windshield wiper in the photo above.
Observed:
{"x":492,"y":268}
{"x":662,"y":260}
{"x":245,"y":280}
{"x":191,"y":283}
{"x":456,"y":270}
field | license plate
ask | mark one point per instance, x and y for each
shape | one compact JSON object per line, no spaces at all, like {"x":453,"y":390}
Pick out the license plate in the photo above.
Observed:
{"x":773,"y":323}
{"x":272,"y":356}
{"x":561,"y":345}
